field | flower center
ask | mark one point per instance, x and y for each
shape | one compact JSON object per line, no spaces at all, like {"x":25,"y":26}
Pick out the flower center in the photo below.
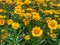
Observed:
{"x":52,"y":24}
{"x":36,"y":31}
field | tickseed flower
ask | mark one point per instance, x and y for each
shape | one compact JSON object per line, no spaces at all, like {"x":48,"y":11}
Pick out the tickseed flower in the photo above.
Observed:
{"x":58,"y":18}
{"x":25,"y":21}
{"x":58,"y":5}
{"x":53,"y":35}
{"x":35,"y":16}
{"x":27,"y":37}
{"x":48,"y":20}
{"x":52,"y":24}
{"x":51,"y":31}
{"x":1,"y":40}
{"x":17,"y":11}
{"x":1,"y":10}
{"x":48,"y":12}
{"x":39,"y":1}
{"x":2,"y":17}
{"x":36,"y":31}
{"x":15,"y":25}
{"x":9,"y":2}
{"x":2,"y":30}
{"x":27,"y":1}
{"x":17,"y":0}
{"x":20,"y":3}
{"x":17,"y":7}
{"x":58,"y":26}
{"x":5,"y":35}
{"x":29,"y":9}
{"x":27,"y":15}
{"x":2,"y":22}
{"x":9,"y":22}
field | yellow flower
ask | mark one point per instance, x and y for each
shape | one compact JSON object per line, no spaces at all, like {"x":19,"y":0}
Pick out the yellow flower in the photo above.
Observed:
{"x":47,"y":0}
{"x":48,"y":12}
{"x":29,"y":9}
{"x":58,"y":26}
{"x":9,"y":22}
{"x":4,"y":35}
{"x":17,"y":7}
{"x":15,"y":25}
{"x":27,"y":1}
{"x":36,"y":31}
{"x":9,"y":2}
{"x":2,"y":16}
{"x":52,"y":24}
{"x":2,"y":0}
{"x":27,"y":15}
{"x":2,"y":22}
{"x":1,"y":40}
{"x":51,"y":31}
{"x":58,"y":4}
{"x":27,"y":37}
{"x":1,"y":10}
{"x":40,"y":1}
{"x":53,"y":35}
{"x":2,"y":30}
{"x":48,"y":20}
{"x":17,"y":11}
{"x":20,"y":3}
{"x":25,"y":21}
{"x":35,"y":16}
{"x":17,"y":0}
{"x":58,"y":18}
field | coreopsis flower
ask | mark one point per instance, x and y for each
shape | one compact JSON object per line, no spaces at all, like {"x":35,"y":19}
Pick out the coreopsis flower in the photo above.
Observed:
{"x":22,"y":14}
{"x":17,"y":0}
{"x":5,"y":35}
{"x":2,"y":17}
{"x":27,"y":37}
{"x":48,"y":20}
{"x":58,"y":5}
{"x":47,"y":0}
{"x":48,"y":12}
{"x":40,"y":1}
{"x":2,"y":30}
{"x":25,"y":21}
{"x":58,"y":26}
{"x":2,"y":22}
{"x":35,"y":16}
{"x":51,"y":31}
{"x":9,"y":22}
{"x":27,"y":1}
{"x":9,"y":1}
{"x":15,"y":25}
{"x":17,"y":7}
{"x":36,"y":31}
{"x":29,"y":9}
{"x":1,"y":40}
{"x":27,"y":15}
{"x":58,"y":18}
{"x":52,"y":24}
{"x":19,"y":11}
{"x":53,"y":35}
{"x":20,"y":3}
{"x":2,"y":0}
{"x":1,"y":10}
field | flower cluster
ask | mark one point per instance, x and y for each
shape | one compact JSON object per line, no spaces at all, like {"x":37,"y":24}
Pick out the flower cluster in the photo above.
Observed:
{"x":29,"y":22}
